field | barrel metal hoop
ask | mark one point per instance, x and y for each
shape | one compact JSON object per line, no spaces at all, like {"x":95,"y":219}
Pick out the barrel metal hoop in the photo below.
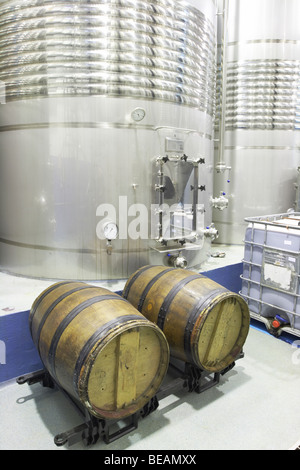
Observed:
{"x":101,"y":333}
{"x":169,"y":298}
{"x":55,"y":303}
{"x":41,"y":298}
{"x":133,"y":279}
{"x":200,"y":306}
{"x":148,"y":287}
{"x":67,"y":320}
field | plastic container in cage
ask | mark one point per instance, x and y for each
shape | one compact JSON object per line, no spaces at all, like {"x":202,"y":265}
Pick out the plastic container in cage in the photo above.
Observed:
{"x":271,"y":267}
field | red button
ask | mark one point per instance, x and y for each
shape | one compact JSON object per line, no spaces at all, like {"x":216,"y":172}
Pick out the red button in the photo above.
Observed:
{"x":276,"y":324}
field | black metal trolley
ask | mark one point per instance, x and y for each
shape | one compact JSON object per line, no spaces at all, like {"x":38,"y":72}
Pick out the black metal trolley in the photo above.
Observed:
{"x":190,"y":379}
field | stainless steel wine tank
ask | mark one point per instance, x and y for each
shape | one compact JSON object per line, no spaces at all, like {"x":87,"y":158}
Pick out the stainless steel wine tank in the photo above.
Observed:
{"x":262,"y":116}
{"x":106,"y":135}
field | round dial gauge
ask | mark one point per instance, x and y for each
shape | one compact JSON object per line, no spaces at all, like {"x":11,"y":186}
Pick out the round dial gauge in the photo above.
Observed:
{"x":110,"y":231}
{"x":138,"y":114}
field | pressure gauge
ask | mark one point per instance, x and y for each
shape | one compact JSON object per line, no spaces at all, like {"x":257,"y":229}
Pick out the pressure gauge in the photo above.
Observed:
{"x":138,"y":114}
{"x":110,"y":230}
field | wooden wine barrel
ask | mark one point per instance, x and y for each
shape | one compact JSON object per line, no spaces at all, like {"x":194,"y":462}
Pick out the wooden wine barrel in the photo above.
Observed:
{"x":98,"y":348}
{"x":205,"y":324}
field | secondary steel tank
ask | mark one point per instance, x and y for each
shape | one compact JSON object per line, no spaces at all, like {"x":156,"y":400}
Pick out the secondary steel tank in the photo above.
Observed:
{"x":261,"y":136}
{"x":297,"y":188}
{"x":106,"y":136}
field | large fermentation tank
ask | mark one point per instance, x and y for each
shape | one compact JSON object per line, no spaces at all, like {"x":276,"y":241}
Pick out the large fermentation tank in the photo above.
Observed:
{"x":297,"y":188}
{"x":109,"y":111}
{"x":261,"y":137}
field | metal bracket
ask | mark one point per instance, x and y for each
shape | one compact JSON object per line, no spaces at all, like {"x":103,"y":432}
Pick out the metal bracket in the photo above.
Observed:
{"x":40,"y":376}
{"x":151,"y":406}
{"x":92,"y":429}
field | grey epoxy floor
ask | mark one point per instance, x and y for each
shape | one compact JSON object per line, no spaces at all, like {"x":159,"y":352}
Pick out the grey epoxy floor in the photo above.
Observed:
{"x":255,"y":406}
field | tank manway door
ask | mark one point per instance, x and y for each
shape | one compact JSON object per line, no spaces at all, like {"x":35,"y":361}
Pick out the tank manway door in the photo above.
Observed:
{"x":177,"y":215}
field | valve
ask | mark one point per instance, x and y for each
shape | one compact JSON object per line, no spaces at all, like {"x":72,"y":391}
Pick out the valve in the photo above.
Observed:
{"x":221,"y":167}
{"x":220,"y":202}
{"x":211,"y":232}
{"x":277,"y":323}
{"x":160,"y":187}
{"x":109,"y":247}
{"x":177,"y":261}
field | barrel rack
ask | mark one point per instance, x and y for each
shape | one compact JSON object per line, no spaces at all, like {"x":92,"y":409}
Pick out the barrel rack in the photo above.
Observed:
{"x":190,"y":379}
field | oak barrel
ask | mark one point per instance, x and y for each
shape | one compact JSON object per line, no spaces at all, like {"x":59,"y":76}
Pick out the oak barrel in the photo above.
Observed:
{"x":205,"y":324}
{"x":98,"y":348}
